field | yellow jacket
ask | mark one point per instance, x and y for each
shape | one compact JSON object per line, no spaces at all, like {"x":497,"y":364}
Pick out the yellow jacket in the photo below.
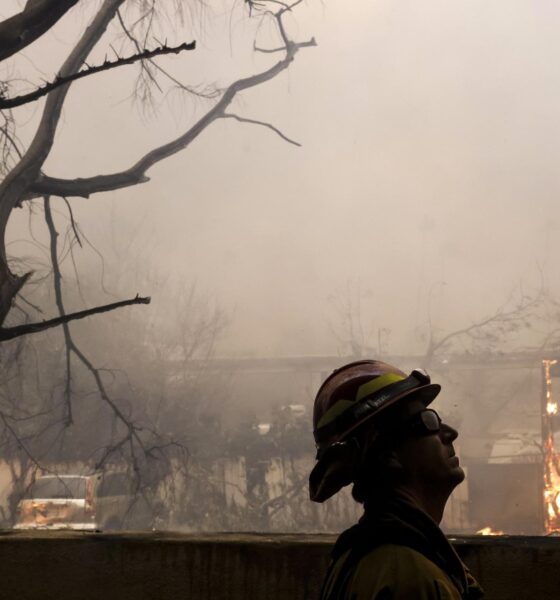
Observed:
{"x":392,"y":572}
{"x":397,"y":552}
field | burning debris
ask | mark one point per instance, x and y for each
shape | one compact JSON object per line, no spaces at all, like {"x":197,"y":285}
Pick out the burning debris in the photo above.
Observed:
{"x":489,"y":531}
{"x":551,"y":456}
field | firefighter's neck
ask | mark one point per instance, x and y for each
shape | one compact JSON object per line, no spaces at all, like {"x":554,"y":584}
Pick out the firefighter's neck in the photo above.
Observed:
{"x":431,"y":501}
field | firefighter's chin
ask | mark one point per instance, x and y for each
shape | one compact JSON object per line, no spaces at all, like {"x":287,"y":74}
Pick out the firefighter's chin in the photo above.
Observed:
{"x":456,"y":471}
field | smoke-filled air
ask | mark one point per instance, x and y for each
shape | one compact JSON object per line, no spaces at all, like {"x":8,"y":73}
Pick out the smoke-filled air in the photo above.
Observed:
{"x":206,"y":207}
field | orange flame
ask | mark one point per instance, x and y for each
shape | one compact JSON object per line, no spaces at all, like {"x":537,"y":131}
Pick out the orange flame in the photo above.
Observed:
{"x":551,"y":458}
{"x":489,"y":531}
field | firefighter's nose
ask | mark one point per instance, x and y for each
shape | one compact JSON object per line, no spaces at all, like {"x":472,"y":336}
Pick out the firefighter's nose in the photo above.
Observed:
{"x":448,"y":433}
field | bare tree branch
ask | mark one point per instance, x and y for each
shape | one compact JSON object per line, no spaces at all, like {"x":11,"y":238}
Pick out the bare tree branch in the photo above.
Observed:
{"x":262,"y":124}
{"x":73,"y":221}
{"x":133,"y":437}
{"x":9,"y":333}
{"x":132,"y":431}
{"x":29,"y":303}
{"x":269,"y":50}
{"x":502,"y":316}
{"x":31,"y":23}
{"x":143,"y":66}
{"x":105,"y":66}
{"x":85,"y":187}
{"x":18,"y":439}
{"x":11,"y":142}
{"x":57,"y":276}
{"x":209,"y":95}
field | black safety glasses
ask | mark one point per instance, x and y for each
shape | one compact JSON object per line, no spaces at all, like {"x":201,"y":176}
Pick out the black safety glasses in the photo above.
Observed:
{"x":426,"y":422}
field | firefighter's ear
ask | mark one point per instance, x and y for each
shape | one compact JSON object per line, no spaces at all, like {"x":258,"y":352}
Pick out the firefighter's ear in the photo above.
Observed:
{"x":387,"y":462}
{"x":393,"y":463}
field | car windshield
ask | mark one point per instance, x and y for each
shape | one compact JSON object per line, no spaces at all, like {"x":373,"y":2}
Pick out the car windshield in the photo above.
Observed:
{"x":58,"y":487}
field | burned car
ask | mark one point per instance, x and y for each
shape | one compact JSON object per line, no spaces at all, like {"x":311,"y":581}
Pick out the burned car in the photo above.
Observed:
{"x":83,"y":502}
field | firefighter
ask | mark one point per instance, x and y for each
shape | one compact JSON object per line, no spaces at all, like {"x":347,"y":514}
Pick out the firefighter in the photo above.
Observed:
{"x":373,"y":429}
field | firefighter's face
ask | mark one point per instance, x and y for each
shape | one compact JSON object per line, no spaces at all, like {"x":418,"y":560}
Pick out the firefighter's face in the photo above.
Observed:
{"x":429,"y":458}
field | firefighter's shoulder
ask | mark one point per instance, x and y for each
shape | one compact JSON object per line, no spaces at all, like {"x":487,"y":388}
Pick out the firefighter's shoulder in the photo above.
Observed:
{"x":394,"y":572}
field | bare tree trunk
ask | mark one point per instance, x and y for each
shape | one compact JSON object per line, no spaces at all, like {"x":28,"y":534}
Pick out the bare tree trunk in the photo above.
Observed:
{"x":13,"y":189}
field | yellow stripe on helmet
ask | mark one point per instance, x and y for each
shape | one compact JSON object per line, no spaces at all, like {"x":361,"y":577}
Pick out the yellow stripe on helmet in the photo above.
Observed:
{"x":376,"y":384}
{"x":334,"y":411}
{"x":364,"y":390}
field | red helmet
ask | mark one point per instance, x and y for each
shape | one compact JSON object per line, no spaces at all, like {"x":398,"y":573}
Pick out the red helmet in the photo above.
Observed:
{"x":350,"y":396}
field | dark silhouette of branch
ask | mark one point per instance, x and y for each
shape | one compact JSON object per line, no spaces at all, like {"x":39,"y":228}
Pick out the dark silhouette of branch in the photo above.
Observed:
{"x":268,"y":50}
{"x":262,"y":5}
{"x":9,"y":142}
{"x":19,"y":441}
{"x":73,"y":222}
{"x":149,"y":455}
{"x":501,"y":317}
{"x":150,"y":76}
{"x":131,"y":428}
{"x":9,"y":333}
{"x":57,"y":276}
{"x":85,"y":187}
{"x":31,"y":23}
{"x":29,"y":303}
{"x":105,"y":66}
{"x":278,"y":502}
{"x":262,"y":124}
{"x":72,"y":348}
{"x":137,"y":45}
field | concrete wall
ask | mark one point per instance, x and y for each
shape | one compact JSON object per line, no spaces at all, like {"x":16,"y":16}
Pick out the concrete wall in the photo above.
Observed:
{"x":76,"y":566}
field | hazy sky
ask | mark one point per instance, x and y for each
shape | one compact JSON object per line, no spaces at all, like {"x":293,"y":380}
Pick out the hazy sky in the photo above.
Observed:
{"x":430,"y":135}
